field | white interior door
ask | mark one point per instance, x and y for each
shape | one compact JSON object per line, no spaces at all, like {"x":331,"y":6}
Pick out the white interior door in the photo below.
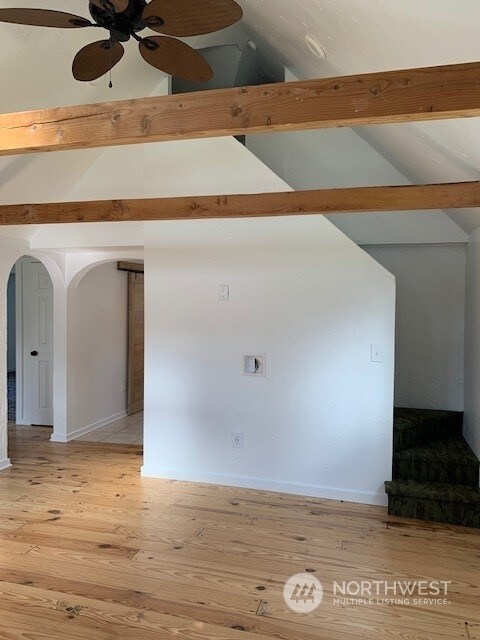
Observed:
{"x":37,"y":321}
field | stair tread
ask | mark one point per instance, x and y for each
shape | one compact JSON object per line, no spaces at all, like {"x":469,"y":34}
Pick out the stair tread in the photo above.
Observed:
{"x":433,"y":491}
{"x":451,"y":450}
{"x":405,"y":418}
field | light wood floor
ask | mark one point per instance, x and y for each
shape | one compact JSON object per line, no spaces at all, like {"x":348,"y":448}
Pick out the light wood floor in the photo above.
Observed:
{"x":89,"y":550}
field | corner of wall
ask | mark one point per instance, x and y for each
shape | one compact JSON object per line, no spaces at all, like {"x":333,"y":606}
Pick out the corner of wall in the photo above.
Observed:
{"x":472,"y":343}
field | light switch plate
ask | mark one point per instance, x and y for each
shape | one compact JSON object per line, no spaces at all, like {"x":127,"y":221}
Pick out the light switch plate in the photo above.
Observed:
{"x":224,"y":293}
{"x":377,"y":354}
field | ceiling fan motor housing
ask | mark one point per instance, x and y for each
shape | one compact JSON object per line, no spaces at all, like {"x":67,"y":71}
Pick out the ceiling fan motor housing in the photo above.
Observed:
{"x":121,"y":25}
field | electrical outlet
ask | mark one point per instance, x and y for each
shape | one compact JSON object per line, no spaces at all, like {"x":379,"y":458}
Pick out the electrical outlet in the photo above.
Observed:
{"x":237,"y":440}
{"x":123,"y":386}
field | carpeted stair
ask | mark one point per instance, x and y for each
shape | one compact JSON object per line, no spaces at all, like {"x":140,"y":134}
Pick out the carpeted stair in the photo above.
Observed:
{"x":435,"y":473}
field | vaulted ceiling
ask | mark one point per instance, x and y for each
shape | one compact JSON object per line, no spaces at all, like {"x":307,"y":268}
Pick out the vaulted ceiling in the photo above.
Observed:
{"x":35,"y":73}
{"x":356,"y":36}
{"x":359,"y":36}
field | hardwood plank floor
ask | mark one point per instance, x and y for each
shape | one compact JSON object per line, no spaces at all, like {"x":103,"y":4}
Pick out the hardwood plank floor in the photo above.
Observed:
{"x":90,"y":550}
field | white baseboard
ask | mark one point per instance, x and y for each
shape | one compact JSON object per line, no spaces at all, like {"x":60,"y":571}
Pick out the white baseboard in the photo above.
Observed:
{"x":244,"y":482}
{"x":5,"y":464}
{"x":79,"y":433}
{"x":58,"y":437}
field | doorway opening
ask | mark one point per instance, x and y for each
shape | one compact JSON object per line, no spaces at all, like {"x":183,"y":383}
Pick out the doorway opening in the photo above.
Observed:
{"x":107,"y":353}
{"x":11,"y":348}
{"x":30,"y":344}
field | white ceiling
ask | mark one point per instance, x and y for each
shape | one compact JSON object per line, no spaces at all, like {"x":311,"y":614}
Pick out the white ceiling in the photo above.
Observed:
{"x":35,"y":62}
{"x":360,"y":36}
{"x":357,"y":36}
{"x":35,"y":73}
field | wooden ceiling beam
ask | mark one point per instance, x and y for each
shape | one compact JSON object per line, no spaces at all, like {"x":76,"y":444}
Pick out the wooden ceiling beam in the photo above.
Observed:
{"x":327,"y":201}
{"x":376,"y":98}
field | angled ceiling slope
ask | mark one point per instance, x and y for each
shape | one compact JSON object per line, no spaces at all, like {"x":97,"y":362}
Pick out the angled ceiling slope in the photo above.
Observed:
{"x":36,"y":74}
{"x":360,"y":36}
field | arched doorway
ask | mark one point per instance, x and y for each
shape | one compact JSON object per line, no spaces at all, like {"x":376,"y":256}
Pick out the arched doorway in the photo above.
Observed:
{"x":30,"y":352}
{"x":30,"y":344}
{"x":34,"y":350}
{"x":104,"y":310}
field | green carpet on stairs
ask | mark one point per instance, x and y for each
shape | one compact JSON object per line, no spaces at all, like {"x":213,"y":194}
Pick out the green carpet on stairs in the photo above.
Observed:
{"x":435,"y":473}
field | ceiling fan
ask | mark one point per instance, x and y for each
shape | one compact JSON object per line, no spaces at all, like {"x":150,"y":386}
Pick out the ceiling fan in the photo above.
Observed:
{"x":125,"y":19}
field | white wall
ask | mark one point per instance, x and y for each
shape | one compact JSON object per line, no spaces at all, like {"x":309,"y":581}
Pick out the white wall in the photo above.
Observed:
{"x":430,"y":323}
{"x":431,"y":276}
{"x":10,"y":251}
{"x":320,"y":422}
{"x":97,"y":349}
{"x":472,"y":345}
{"x":166,"y":169}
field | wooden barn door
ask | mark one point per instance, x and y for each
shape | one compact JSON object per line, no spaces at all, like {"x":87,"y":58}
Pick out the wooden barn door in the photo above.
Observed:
{"x":135,"y":343}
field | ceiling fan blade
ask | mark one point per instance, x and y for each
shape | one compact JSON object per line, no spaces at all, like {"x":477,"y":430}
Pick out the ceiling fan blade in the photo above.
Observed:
{"x":43,"y":18}
{"x":175,"y":58}
{"x":96,"y":59}
{"x":118,"y":5}
{"x":191,"y":17}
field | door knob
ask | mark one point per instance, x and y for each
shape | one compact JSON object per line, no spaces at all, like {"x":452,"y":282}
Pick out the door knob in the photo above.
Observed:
{"x":34,"y":353}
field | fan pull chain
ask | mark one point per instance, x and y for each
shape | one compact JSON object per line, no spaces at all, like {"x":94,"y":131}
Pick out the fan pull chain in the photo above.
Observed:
{"x":110,"y":84}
